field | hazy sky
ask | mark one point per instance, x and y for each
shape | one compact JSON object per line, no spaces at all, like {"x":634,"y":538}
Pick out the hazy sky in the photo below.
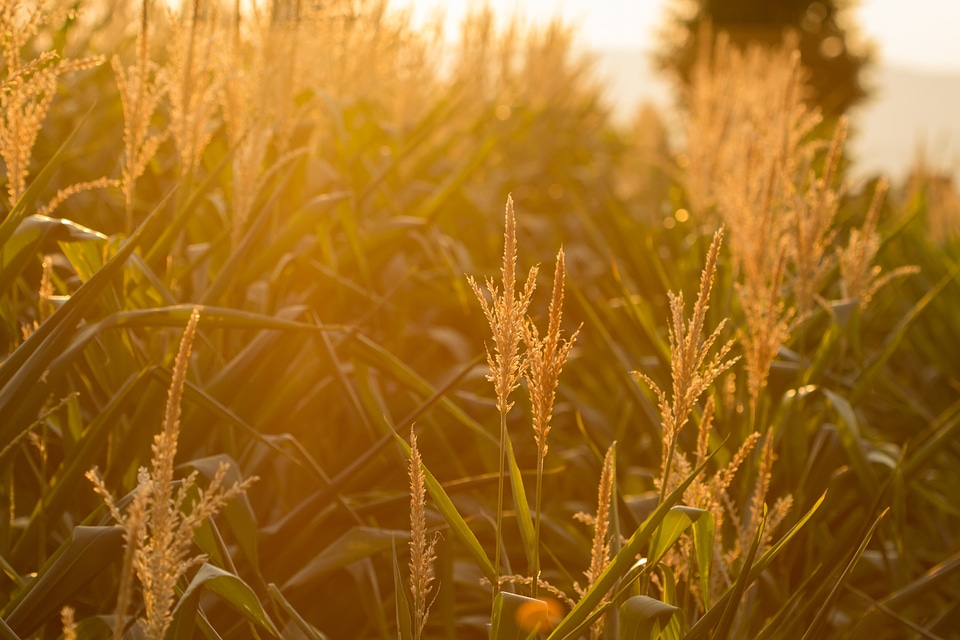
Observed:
{"x":921,"y":34}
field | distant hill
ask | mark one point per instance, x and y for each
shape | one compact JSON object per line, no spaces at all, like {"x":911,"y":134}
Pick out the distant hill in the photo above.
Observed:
{"x":910,"y":110}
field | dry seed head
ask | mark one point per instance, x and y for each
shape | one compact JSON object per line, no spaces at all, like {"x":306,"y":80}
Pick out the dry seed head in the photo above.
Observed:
{"x":768,"y":323}
{"x":132,"y":526}
{"x":812,"y":211}
{"x":544,"y":360}
{"x":505,"y":314}
{"x":691,"y":372}
{"x":193,"y":89}
{"x":159,"y":525}
{"x":703,"y":435}
{"x":758,"y":499}
{"x":600,"y":549}
{"x":860,"y":279}
{"x":27,"y":87}
{"x":422,"y":545}
{"x":68,"y":624}
{"x":141,"y":86}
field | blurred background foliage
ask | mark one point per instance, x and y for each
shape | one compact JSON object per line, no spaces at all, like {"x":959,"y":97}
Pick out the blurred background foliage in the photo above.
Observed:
{"x":832,"y":50}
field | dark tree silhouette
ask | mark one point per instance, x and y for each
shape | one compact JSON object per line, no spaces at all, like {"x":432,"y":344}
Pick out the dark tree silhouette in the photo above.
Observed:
{"x":835,"y":71}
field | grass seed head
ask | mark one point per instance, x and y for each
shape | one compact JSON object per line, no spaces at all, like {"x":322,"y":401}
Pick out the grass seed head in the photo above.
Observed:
{"x":422,"y":545}
{"x":160,"y":523}
{"x":505,"y":314}
{"x":544,"y":360}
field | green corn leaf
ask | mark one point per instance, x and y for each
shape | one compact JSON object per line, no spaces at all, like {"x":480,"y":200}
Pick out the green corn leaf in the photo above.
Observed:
{"x":33,"y":234}
{"x":704,"y":532}
{"x":642,"y":617}
{"x":865,"y":380}
{"x":6,"y":633}
{"x":722,"y":629}
{"x":670,"y":631}
{"x":455,"y":181}
{"x":356,"y":544}
{"x":520,"y":506}
{"x":231,"y":269}
{"x":377,"y":356}
{"x":82,"y":458}
{"x":78,"y":560}
{"x":303,"y":625}
{"x":677,"y":520}
{"x":711,"y":618}
{"x":815,"y":626}
{"x":231,"y":589}
{"x":24,"y":368}
{"x":852,"y":441}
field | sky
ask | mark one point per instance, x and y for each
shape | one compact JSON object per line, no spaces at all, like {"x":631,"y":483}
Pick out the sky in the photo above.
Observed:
{"x":917,"y":34}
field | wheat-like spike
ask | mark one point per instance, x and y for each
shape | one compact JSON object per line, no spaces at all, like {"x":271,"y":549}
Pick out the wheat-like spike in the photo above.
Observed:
{"x":600,"y":548}
{"x":758,"y":499}
{"x":159,"y":554}
{"x":159,"y":524}
{"x":142,"y":87}
{"x":703,"y":435}
{"x":691,"y":373}
{"x":544,"y":360}
{"x":860,"y":279}
{"x":812,"y":214}
{"x":193,"y":89}
{"x":768,"y":326}
{"x":422,"y":552}
{"x":505,"y":314}
{"x":67,"y":623}
{"x":132,"y":525}
{"x":725,"y":476}
{"x":29,"y":87}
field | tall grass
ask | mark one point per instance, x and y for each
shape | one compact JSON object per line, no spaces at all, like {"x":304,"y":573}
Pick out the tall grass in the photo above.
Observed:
{"x":304,"y":188}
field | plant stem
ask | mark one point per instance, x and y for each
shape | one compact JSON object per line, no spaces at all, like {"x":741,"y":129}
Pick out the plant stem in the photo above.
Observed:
{"x":503,"y":455}
{"x":535,"y":570}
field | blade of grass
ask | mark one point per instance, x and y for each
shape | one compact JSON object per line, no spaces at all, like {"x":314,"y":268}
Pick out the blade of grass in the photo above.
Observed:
{"x":355,"y":544}
{"x":723,"y":628}
{"x":26,"y":365}
{"x":821,"y":614}
{"x":642,"y":616}
{"x":865,"y":380}
{"x":711,"y":618}
{"x":304,"y":626}
{"x":85,"y":554}
{"x":521,"y":507}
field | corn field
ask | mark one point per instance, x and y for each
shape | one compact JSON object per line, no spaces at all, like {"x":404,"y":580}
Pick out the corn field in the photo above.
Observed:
{"x":316,"y":327}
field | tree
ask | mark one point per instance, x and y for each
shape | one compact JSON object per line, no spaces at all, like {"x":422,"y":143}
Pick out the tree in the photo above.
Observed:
{"x":835,"y":67}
